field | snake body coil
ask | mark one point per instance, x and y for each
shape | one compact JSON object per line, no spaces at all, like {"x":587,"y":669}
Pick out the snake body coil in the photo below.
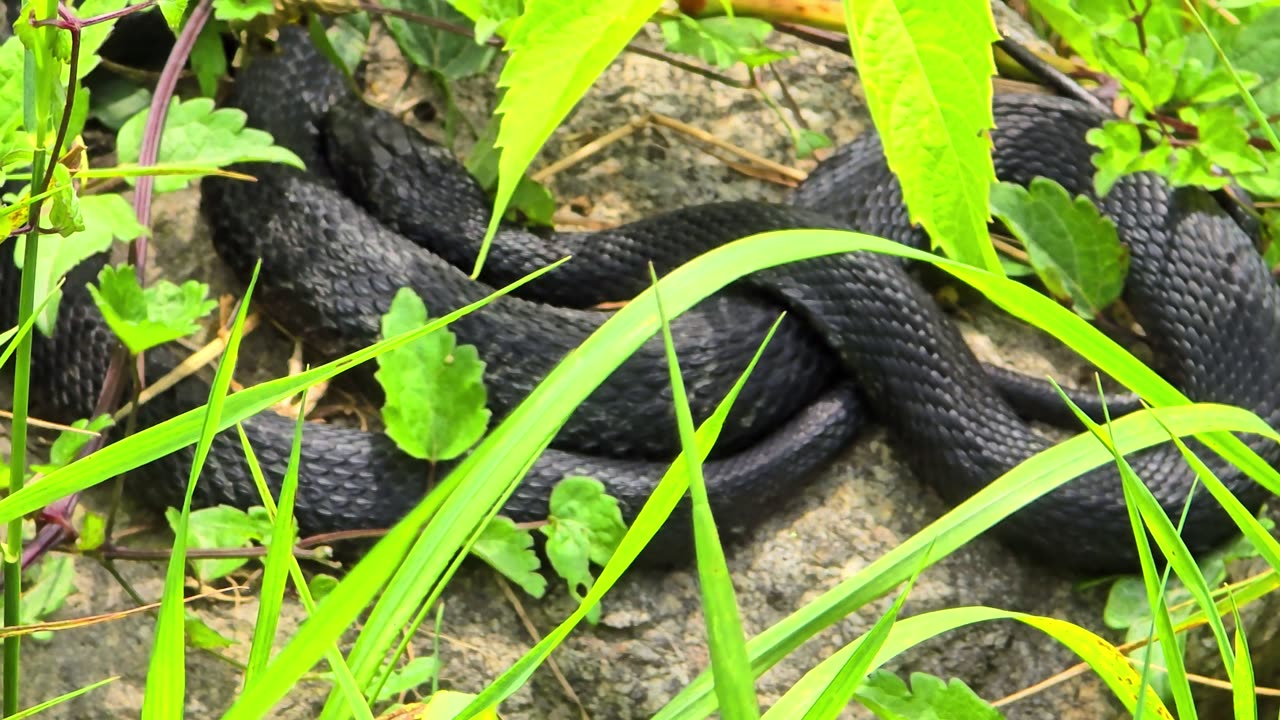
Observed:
{"x":380,"y":208}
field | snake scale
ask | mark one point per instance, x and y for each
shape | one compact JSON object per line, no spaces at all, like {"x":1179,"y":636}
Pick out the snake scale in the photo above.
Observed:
{"x":379,"y":207}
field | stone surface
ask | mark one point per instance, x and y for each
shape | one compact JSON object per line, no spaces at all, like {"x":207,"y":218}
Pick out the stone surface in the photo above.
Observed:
{"x":651,"y":641}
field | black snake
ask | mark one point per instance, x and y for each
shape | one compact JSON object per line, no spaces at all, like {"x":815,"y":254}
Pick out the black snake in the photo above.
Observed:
{"x":380,"y":208}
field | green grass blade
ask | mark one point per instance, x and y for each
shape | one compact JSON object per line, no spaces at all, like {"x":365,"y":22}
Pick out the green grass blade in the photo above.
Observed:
{"x":179,"y":432}
{"x":13,"y":336}
{"x":726,"y":642}
{"x":166,"y":676}
{"x":1109,"y":663}
{"x":52,"y":702}
{"x":1033,"y":478}
{"x":837,"y":694}
{"x":338,"y":664}
{"x":1244,"y":693}
{"x":1144,"y":511}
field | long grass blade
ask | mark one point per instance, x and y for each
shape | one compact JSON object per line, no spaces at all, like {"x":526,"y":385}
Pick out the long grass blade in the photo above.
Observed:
{"x":54,"y":702}
{"x":166,"y":675}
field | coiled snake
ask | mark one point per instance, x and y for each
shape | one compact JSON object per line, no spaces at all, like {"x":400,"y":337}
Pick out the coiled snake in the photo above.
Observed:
{"x":380,"y":208}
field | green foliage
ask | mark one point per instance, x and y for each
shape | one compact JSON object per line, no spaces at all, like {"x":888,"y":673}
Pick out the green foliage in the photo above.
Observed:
{"x":146,"y":317}
{"x":928,"y":698}
{"x":93,"y":532}
{"x":557,"y":51}
{"x":105,"y":218}
{"x":448,"y":55}
{"x":417,"y":672}
{"x":1072,"y":247}
{"x":208,"y":60}
{"x":722,"y":41}
{"x":93,"y":36}
{"x":222,"y":527}
{"x":491,"y":17}
{"x":201,"y":636}
{"x":242,"y":10}
{"x":52,"y":582}
{"x":928,"y":88}
{"x":509,"y":550}
{"x":68,"y":443}
{"x":195,"y":132}
{"x":531,"y":199}
{"x":435,"y":397}
{"x":585,"y":526}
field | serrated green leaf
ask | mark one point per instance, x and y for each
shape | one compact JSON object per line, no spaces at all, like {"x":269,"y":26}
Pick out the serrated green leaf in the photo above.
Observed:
{"x":203,"y":637}
{"x":928,"y":698}
{"x":928,"y":88}
{"x":1122,"y":153}
{"x":68,"y":443}
{"x":52,"y":583}
{"x":194,"y":132}
{"x":435,"y":397}
{"x":1073,"y":247}
{"x":722,"y":41}
{"x":557,"y":50}
{"x":145,"y":318}
{"x":450,"y":55}
{"x":221,"y":526}
{"x":569,"y":550}
{"x":106,"y":217}
{"x":583,"y":500}
{"x":509,"y":550}
{"x":413,"y":674}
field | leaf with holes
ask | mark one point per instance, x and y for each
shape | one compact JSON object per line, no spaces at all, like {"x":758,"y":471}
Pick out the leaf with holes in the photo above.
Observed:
{"x":196,"y":133}
{"x":1073,"y":248}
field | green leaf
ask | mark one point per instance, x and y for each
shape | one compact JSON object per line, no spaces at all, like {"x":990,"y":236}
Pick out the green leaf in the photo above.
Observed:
{"x":583,"y":500}
{"x":1073,"y":247}
{"x":928,"y":88}
{"x":435,"y":397}
{"x":509,"y":550}
{"x":321,"y":585}
{"x":208,"y":60}
{"x":412,"y":675}
{"x":194,"y":132}
{"x":569,"y":550}
{"x":221,"y":526}
{"x":64,"y":210}
{"x":531,"y":198}
{"x":52,"y":584}
{"x":1122,"y":153}
{"x":93,"y":36}
{"x":722,"y":41}
{"x":145,"y":318}
{"x":11,"y":53}
{"x":450,"y":55}
{"x":93,"y":532}
{"x":116,"y":100}
{"x":242,"y":10}
{"x":807,"y":141}
{"x":557,"y":50}
{"x":1126,"y":603}
{"x":68,"y":444}
{"x":203,"y":637}
{"x":888,"y":697}
{"x":173,"y":10}
{"x":490,"y":16}
{"x":106,"y":217}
